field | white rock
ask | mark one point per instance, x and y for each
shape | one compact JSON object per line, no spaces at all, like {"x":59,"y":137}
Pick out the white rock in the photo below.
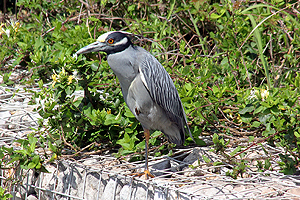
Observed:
{"x":112,"y":189}
{"x":4,"y":116}
{"x":31,"y":197}
{"x":135,"y":191}
{"x":47,"y":180}
{"x":125,"y":193}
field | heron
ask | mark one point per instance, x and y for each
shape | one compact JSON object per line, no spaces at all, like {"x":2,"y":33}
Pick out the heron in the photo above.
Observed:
{"x":147,"y":88}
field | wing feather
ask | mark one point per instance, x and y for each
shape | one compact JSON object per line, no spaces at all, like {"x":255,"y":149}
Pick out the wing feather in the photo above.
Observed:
{"x":162,"y":90}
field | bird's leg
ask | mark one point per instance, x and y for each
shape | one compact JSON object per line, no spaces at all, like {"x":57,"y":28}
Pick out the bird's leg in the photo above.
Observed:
{"x":146,"y":172}
{"x":147,"y":137}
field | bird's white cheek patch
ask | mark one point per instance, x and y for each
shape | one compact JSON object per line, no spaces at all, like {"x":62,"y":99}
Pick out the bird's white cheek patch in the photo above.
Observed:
{"x":123,"y":41}
{"x":103,"y":37}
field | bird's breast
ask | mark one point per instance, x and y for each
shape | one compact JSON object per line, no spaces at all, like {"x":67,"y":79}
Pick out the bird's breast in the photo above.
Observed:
{"x":123,"y":69}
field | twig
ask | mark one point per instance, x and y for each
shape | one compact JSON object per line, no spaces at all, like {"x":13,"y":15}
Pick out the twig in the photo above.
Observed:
{"x":64,"y":139}
{"x":86,"y":153}
{"x":260,"y":23}
{"x":86,"y":4}
{"x":238,"y":132}
{"x":221,"y":111}
{"x":52,"y":29}
{"x":142,"y":152}
{"x":260,"y":141}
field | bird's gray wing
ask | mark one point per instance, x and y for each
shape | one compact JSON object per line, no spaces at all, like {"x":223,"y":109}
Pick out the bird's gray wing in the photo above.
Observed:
{"x":162,"y":90}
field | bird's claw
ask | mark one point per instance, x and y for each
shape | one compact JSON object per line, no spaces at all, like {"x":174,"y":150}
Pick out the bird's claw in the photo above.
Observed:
{"x":147,"y":174}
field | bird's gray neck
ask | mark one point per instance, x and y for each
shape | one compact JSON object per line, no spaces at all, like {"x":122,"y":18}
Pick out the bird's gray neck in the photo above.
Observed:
{"x":123,"y":65}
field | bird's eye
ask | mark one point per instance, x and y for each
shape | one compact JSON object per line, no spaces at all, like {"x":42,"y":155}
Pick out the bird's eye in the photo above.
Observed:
{"x":110,"y":41}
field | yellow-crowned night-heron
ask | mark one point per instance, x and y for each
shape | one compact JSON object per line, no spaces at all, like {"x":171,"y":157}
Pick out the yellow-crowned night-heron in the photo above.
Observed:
{"x":147,"y":88}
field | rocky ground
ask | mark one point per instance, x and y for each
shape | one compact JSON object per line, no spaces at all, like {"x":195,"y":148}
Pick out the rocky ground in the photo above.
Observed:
{"x":184,"y":176}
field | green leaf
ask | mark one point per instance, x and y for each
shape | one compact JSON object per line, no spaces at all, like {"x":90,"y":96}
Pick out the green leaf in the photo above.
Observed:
{"x":38,"y":166}
{"x":236,"y":150}
{"x":206,"y":159}
{"x":128,"y":113}
{"x":39,"y":42}
{"x":125,"y":142}
{"x":22,"y":151}
{"x":251,"y":138}
{"x":259,"y":43}
{"x":32,"y":142}
{"x":267,"y":164}
{"x":52,"y":147}
{"x":215,"y":89}
{"x":258,"y":110}
{"x":53,"y":157}
{"x":94,"y":19}
{"x":95,"y":66}
{"x":255,"y":124}
{"x":217,"y":163}
{"x":297,"y":134}
{"x":266,"y":104}
{"x":118,"y":117}
{"x":215,"y":138}
{"x":247,"y":109}
{"x":188,"y":86}
{"x":36,"y":159}
{"x":110,"y":119}
{"x":43,"y":169}
{"x":141,"y":145}
{"x":246,"y":118}
{"x":6,"y":76}
{"x":15,"y":158}
{"x":274,"y":110}
{"x":216,"y":16}
{"x":264,"y":118}
{"x":9,"y":150}
{"x":198,"y":141}
{"x":131,"y":7}
{"x":156,"y":134}
{"x":268,"y":133}
{"x":126,"y":152}
{"x":31,"y":165}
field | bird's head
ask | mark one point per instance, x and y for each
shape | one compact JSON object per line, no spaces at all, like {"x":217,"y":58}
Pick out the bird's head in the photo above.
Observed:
{"x":110,"y":42}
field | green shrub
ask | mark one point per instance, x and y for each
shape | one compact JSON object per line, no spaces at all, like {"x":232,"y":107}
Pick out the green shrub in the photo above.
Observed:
{"x":235,"y":65}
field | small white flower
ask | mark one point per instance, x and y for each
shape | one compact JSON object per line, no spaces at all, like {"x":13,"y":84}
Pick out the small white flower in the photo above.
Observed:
{"x":264,"y":93}
{"x":7,"y":31}
{"x":75,"y":56}
{"x":252,"y":94}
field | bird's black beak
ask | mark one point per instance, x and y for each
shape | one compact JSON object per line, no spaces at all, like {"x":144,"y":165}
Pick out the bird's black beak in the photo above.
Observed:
{"x":94,"y":47}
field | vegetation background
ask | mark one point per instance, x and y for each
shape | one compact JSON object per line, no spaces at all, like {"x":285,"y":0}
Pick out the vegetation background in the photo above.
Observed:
{"x":235,"y":65}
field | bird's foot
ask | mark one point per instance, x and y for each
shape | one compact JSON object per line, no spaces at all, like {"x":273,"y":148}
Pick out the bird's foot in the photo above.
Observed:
{"x":147,"y":174}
